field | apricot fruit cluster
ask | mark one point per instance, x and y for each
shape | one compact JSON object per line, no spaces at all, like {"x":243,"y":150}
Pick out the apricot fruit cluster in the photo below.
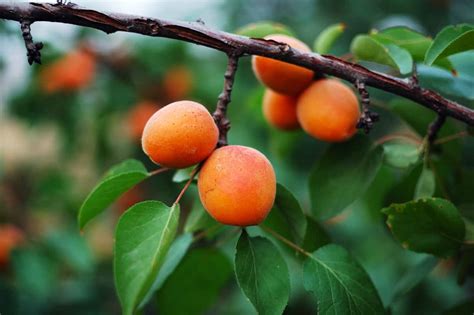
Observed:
{"x":326,"y":109}
{"x":236,"y":184}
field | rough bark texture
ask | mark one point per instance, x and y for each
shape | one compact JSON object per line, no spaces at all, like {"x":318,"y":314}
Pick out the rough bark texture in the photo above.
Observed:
{"x":232,"y":44}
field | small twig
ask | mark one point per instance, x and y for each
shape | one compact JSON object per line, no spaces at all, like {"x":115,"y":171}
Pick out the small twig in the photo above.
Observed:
{"x":32,"y":48}
{"x":434,"y":128}
{"x":455,"y":136}
{"x":224,"y":99}
{"x":367,"y":118}
{"x":390,"y":137}
{"x":158,"y":171}
{"x":190,"y":180}
{"x":285,"y":240}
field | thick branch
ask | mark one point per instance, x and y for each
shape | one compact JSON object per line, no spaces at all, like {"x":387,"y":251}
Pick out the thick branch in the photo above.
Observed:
{"x":224,"y":99}
{"x":230,"y":43}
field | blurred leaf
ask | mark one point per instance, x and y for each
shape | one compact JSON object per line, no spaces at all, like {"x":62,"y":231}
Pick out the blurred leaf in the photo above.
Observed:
{"x":198,"y":219}
{"x":262,"y":274}
{"x":116,"y":181}
{"x":183,"y":175}
{"x":143,"y":236}
{"x":338,"y":171}
{"x":429,"y":225}
{"x":195,"y":284}
{"x":426,"y":185}
{"x":315,"y":236}
{"x":370,"y":48}
{"x":464,"y":308}
{"x":262,"y":29}
{"x":451,"y":40}
{"x":287,"y":217}
{"x":339,"y":284}
{"x":327,"y":37}
{"x":401,"y":154}
{"x":174,"y":256}
{"x":413,"y":277}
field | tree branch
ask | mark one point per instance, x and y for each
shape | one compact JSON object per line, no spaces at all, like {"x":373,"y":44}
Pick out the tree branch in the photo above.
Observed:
{"x":230,"y":43}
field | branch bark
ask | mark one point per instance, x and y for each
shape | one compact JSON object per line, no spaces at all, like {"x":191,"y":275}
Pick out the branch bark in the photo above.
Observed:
{"x":230,"y":44}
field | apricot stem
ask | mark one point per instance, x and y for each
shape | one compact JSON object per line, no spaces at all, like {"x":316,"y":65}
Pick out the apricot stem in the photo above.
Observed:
{"x":285,"y":240}
{"x":188,"y":183}
{"x":158,"y":171}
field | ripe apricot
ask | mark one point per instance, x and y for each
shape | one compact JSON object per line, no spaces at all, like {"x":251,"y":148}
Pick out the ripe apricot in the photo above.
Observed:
{"x":72,"y":72}
{"x":177,"y":83}
{"x":280,"y":76}
{"x":10,"y":237}
{"x":237,"y":185}
{"x":328,"y":110}
{"x":139,"y":116}
{"x":280,"y":110}
{"x":180,"y":134}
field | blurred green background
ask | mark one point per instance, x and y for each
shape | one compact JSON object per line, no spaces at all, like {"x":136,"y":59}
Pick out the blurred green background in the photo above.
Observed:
{"x":56,"y":143}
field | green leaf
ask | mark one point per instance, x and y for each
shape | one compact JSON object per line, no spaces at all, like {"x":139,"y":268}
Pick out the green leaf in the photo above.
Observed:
{"x":195,"y":284}
{"x":198,"y":219}
{"x":262,"y":29}
{"x":342,"y":175}
{"x":116,"y":181}
{"x":174,"y":256}
{"x":451,"y":40}
{"x":367,"y":47}
{"x":401,"y":154}
{"x":183,"y":175}
{"x":426,"y":185}
{"x":429,"y":225}
{"x":315,"y":236}
{"x":262,"y":274}
{"x":327,"y":37}
{"x":339,"y":284}
{"x":287,"y":217}
{"x":143,"y":236}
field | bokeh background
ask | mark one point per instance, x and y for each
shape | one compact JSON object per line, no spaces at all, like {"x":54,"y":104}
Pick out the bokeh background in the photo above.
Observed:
{"x":57,"y":139}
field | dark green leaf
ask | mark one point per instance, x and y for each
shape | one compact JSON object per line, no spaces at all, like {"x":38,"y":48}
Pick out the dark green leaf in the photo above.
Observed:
{"x":327,"y":37}
{"x":426,"y":185}
{"x":174,"y":256}
{"x":143,"y":236}
{"x":464,"y":308}
{"x":367,"y":47}
{"x":451,"y":40}
{"x":429,"y":225}
{"x":401,"y":154}
{"x":315,"y":236}
{"x":195,"y":284}
{"x":262,"y":29}
{"x":262,"y":274}
{"x":342,"y":175}
{"x":287,"y":217}
{"x":118,"y":180}
{"x":339,"y":284}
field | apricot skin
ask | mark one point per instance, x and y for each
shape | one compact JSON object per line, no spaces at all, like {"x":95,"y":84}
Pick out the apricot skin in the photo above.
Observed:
{"x":328,"y":110}
{"x":10,"y":238}
{"x":280,"y":76}
{"x":180,"y":134}
{"x":237,"y":185}
{"x":280,"y":110}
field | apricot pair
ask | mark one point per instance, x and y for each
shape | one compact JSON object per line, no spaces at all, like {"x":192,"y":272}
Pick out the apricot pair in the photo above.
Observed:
{"x":326,"y":109}
{"x":236,"y":184}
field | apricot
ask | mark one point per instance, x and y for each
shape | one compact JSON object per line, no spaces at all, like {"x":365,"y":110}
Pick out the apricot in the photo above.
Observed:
{"x":237,"y":185}
{"x":177,"y":83}
{"x":10,"y":238}
{"x":328,"y":110}
{"x":180,"y":134}
{"x":73,"y":71}
{"x":139,"y":116}
{"x":280,"y":76}
{"x":280,"y":110}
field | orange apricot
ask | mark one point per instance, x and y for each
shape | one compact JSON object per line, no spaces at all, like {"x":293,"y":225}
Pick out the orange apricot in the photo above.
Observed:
{"x":280,"y":110}
{"x":10,"y":237}
{"x":328,"y":110}
{"x":177,"y":83}
{"x":139,"y":116}
{"x":237,"y":185}
{"x":280,"y":76}
{"x":180,"y":134}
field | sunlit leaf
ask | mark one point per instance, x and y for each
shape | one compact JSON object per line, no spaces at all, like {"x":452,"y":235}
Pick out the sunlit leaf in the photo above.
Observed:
{"x":264,"y":28}
{"x":451,"y":40}
{"x":401,"y":154}
{"x":327,"y":37}
{"x":425,"y":187}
